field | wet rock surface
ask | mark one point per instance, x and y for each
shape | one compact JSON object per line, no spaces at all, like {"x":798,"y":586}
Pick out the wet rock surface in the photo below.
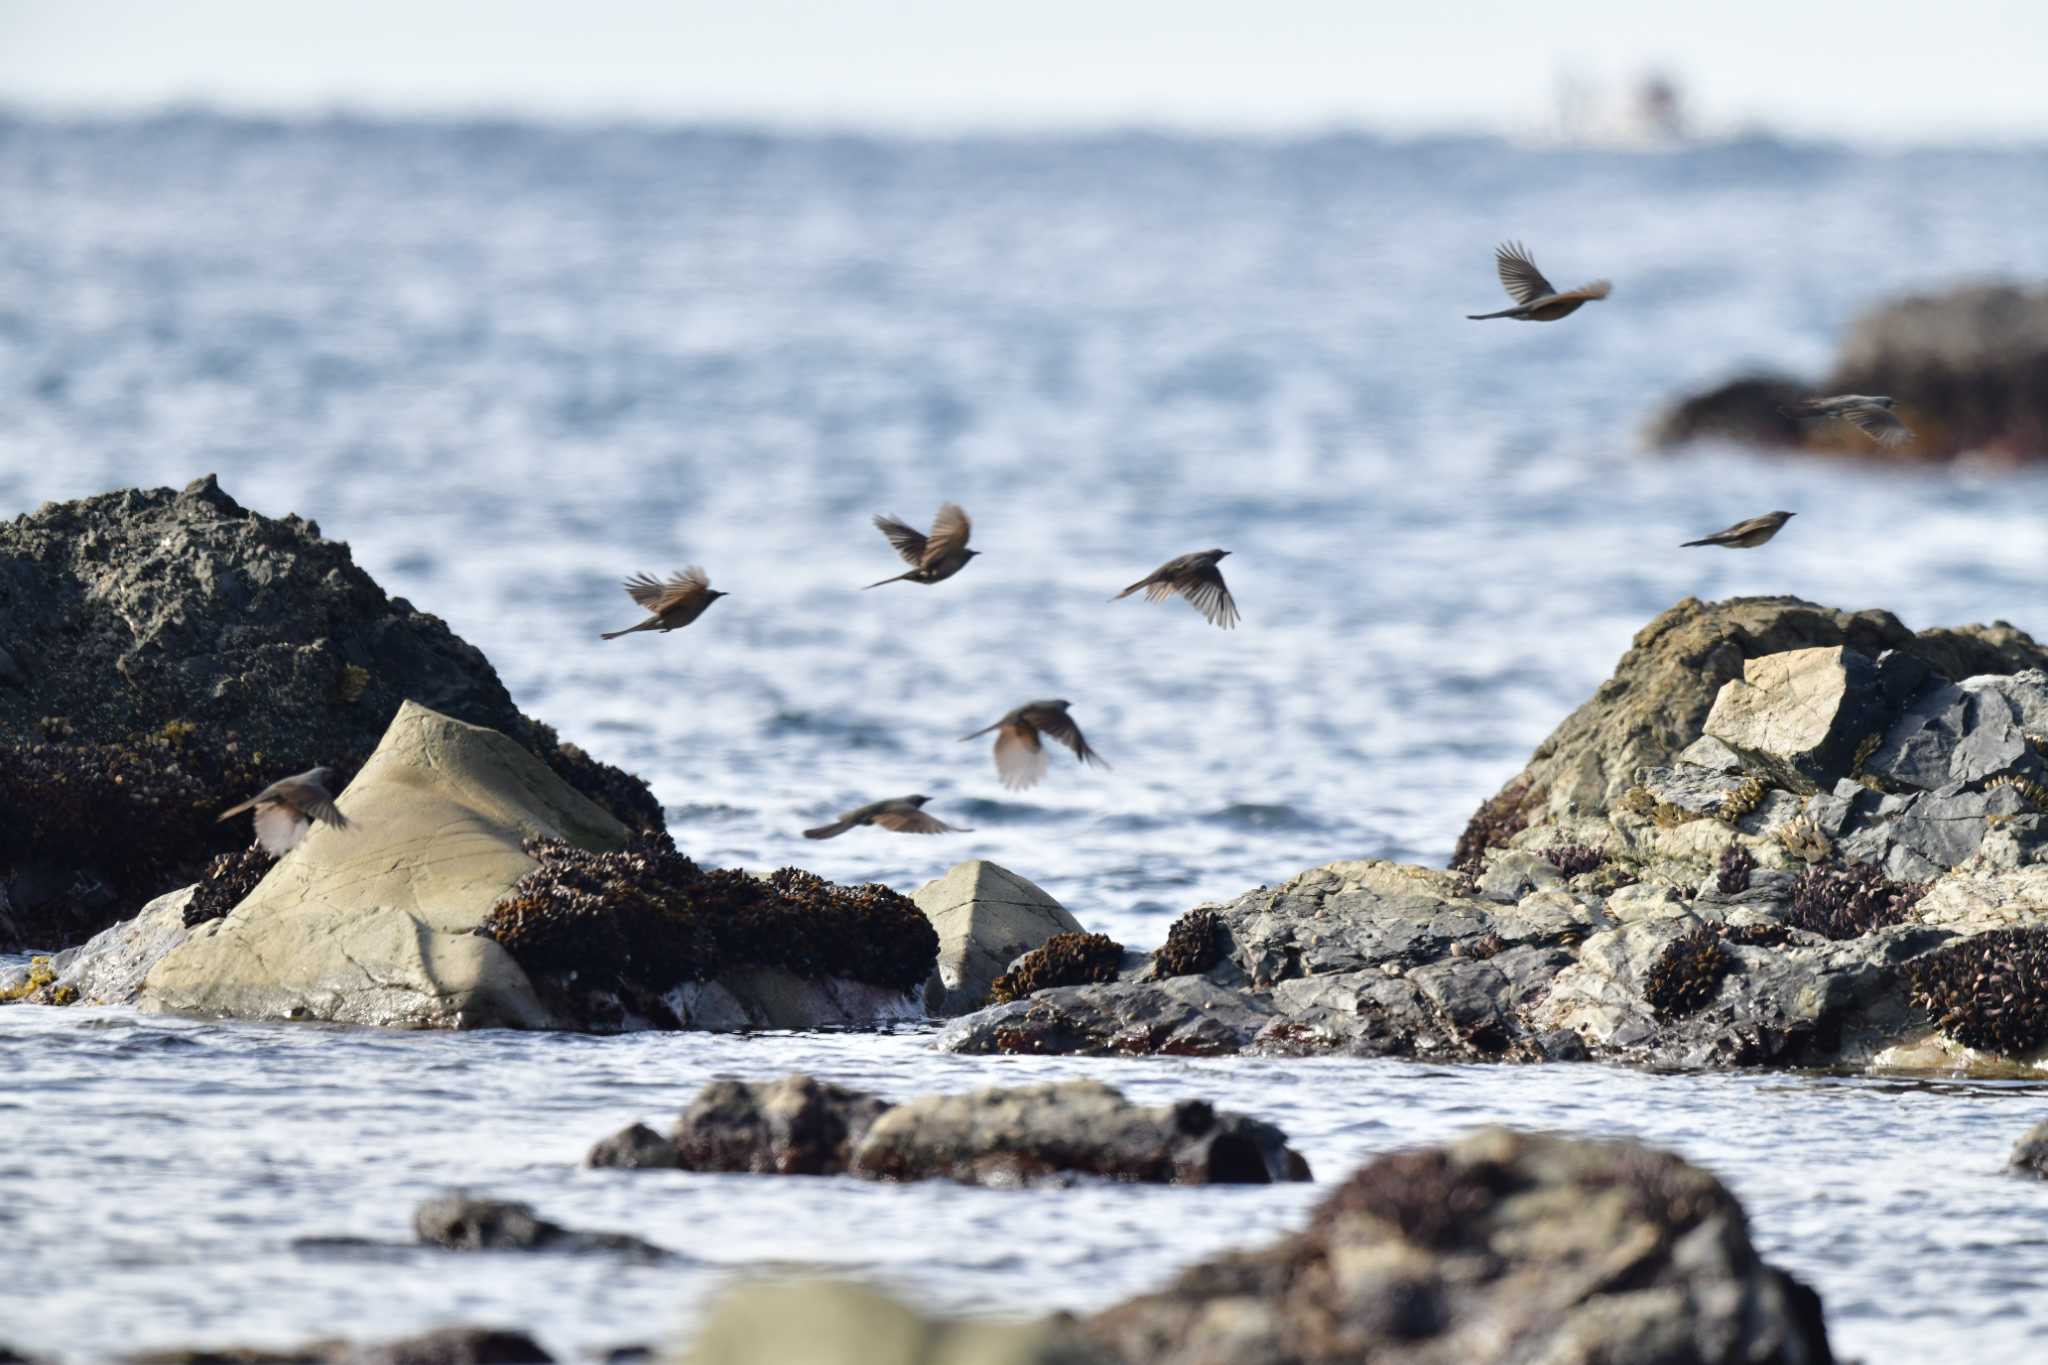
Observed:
{"x":444,"y":1346}
{"x":1766,"y":887}
{"x":169,"y":653}
{"x":1501,"y":1247}
{"x":2030,"y":1153}
{"x":464,"y":1222}
{"x":1965,"y":366}
{"x":1005,"y":1136}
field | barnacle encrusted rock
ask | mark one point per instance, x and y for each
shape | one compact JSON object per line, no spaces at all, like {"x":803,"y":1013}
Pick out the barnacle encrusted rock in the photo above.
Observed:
{"x":1849,"y":902}
{"x":1062,"y":960}
{"x":1501,"y":1247}
{"x":1687,"y":974}
{"x":228,"y":879}
{"x":171,"y":652}
{"x":1192,"y":945}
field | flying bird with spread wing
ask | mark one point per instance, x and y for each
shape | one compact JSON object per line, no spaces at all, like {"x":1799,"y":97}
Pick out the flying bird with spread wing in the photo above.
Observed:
{"x":1021,"y":759}
{"x":1195,"y":577}
{"x":1745,"y":535}
{"x":286,"y":809}
{"x":1536,"y":299}
{"x":904,"y":814}
{"x":932,"y":558}
{"x":1870,"y":412}
{"x":676,"y":603}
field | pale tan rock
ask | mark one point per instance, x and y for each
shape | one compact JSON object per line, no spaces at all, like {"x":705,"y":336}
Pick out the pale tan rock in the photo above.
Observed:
{"x":1971,"y":904}
{"x":827,"y":1323}
{"x":371,"y":923}
{"x":986,"y":917}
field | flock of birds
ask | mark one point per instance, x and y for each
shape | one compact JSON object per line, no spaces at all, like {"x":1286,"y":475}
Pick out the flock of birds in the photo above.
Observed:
{"x":285,"y":809}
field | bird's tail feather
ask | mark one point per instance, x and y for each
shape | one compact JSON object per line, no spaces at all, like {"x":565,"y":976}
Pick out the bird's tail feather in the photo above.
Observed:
{"x":1688,"y":544}
{"x":982,"y":731}
{"x":837,"y":827}
{"x":1503,"y":313}
{"x":897,"y":579}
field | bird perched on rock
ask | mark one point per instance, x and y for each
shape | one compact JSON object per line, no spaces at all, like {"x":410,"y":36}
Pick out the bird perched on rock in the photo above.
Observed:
{"x":1195,"y":577}
{"x":675,"y":603}
{"x":1872,"y":412}
{"x":1536,"y":299}
{"x":1020,"y":755}
{"x":287,"y":807}
{"x":932,"y":558}
{"x":1745,"y":535}
{"x":904,"y":814}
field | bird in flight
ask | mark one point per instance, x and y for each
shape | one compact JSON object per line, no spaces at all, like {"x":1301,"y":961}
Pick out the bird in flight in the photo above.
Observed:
{"x":675,"y":603}
{"x":904,"y":814}
{"x":1745,"y":535}
{"x":1872,"y":412}
{"x":1536,"y":299}
{"x":931,"y":558}
{"x":287,"y":807}
{"x":1195,"y":577}
{"x":1020,"y":753}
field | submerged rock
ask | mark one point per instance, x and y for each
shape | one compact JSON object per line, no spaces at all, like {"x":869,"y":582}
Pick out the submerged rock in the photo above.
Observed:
{"x":171,"y":652}
{"x":1502,"y":1247}
{"x":1003,"y":1136}
{"x":2030,"y":1153}
{"x":464,"y":1222}
{"x":986,"y":917}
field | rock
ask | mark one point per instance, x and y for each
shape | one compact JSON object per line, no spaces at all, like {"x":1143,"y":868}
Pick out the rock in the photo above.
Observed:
{"x":638,"y":1148}
{"x":1657,"y":701}
{"x":1805,"y":717}
{"x":374,"y":923}
{"x":463,"y":1222}
{"x":824,"y":1323}
{"x":802,"y":1126}
{"x":2030,"y":1153}
{"x":110,"y":967}
{"x":1965,"y":366}
{"x":173,"y":652}
{"x":1185,"y":1016}
{"x":1027,"y":1135}
{"x":1749,"y":410}
{"x":1501,"y":1247}
{"x":793,"y":1126}
{"x":986,"y":917}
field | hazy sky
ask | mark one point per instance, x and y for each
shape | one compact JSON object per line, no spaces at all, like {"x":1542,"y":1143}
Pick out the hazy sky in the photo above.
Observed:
{"x":1889,"y":69}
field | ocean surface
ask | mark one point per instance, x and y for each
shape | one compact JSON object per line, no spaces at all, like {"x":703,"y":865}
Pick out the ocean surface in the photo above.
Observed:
{"x":512,"y":363}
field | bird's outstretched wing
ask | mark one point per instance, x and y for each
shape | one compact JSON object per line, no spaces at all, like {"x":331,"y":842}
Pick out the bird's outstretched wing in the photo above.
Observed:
{"x":1518,"y":273}
{"x":1881,"y":425}
{"x":659,"y":597}
{"x":1206,"y":592}
{"x":908,"y":540}
{"x":914,"y":822}
{"x":950,"y":530}
{"x":1061,"y":727}
{"x":1598,"y":289}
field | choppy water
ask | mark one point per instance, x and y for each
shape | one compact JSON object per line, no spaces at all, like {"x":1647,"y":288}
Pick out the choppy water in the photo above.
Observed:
{"x":510,"y":364}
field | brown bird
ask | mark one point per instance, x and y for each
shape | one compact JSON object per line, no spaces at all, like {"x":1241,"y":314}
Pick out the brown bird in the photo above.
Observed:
{"x":900,"y":813}
{"x":1020,"y":756}
{"x":1536,"y":299}
{"x":675,"y":603}
{"x":935,"y":557}
{"x":1745,"y":535}
{"x":1194,"y":577}
{"x":1872,"y":412}
{"x":287,"y":807}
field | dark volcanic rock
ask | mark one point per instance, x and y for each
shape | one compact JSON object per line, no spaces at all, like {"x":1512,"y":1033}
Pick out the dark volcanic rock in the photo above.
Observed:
{"x":638,"y":1148}
{"x":1749,"y":410}
{"x":1006,"y":1136}
{"x":1502,"y":1247}
{"x":443,"y":1346}
{"x":462,"y":1222}
{"x":172,"y":652}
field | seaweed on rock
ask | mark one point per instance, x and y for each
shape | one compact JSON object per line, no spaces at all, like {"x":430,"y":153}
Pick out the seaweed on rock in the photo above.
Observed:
{"x":227,"y":881}
{"x":1687,"y":974}
{"x":1431,"y":1200}
{"x":1731,"y":877}
{"x":1989,"y":991}
{"x":1573,"y":860}
{"x":1067,"y":959}
{"x":1193,"y":945}
{"x":647,"y":918}
{"x":1499,"y":818}
{"x":1849,"y":902}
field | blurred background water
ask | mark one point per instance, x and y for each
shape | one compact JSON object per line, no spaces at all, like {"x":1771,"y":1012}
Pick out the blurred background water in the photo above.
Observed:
{"x":512,"y":362}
